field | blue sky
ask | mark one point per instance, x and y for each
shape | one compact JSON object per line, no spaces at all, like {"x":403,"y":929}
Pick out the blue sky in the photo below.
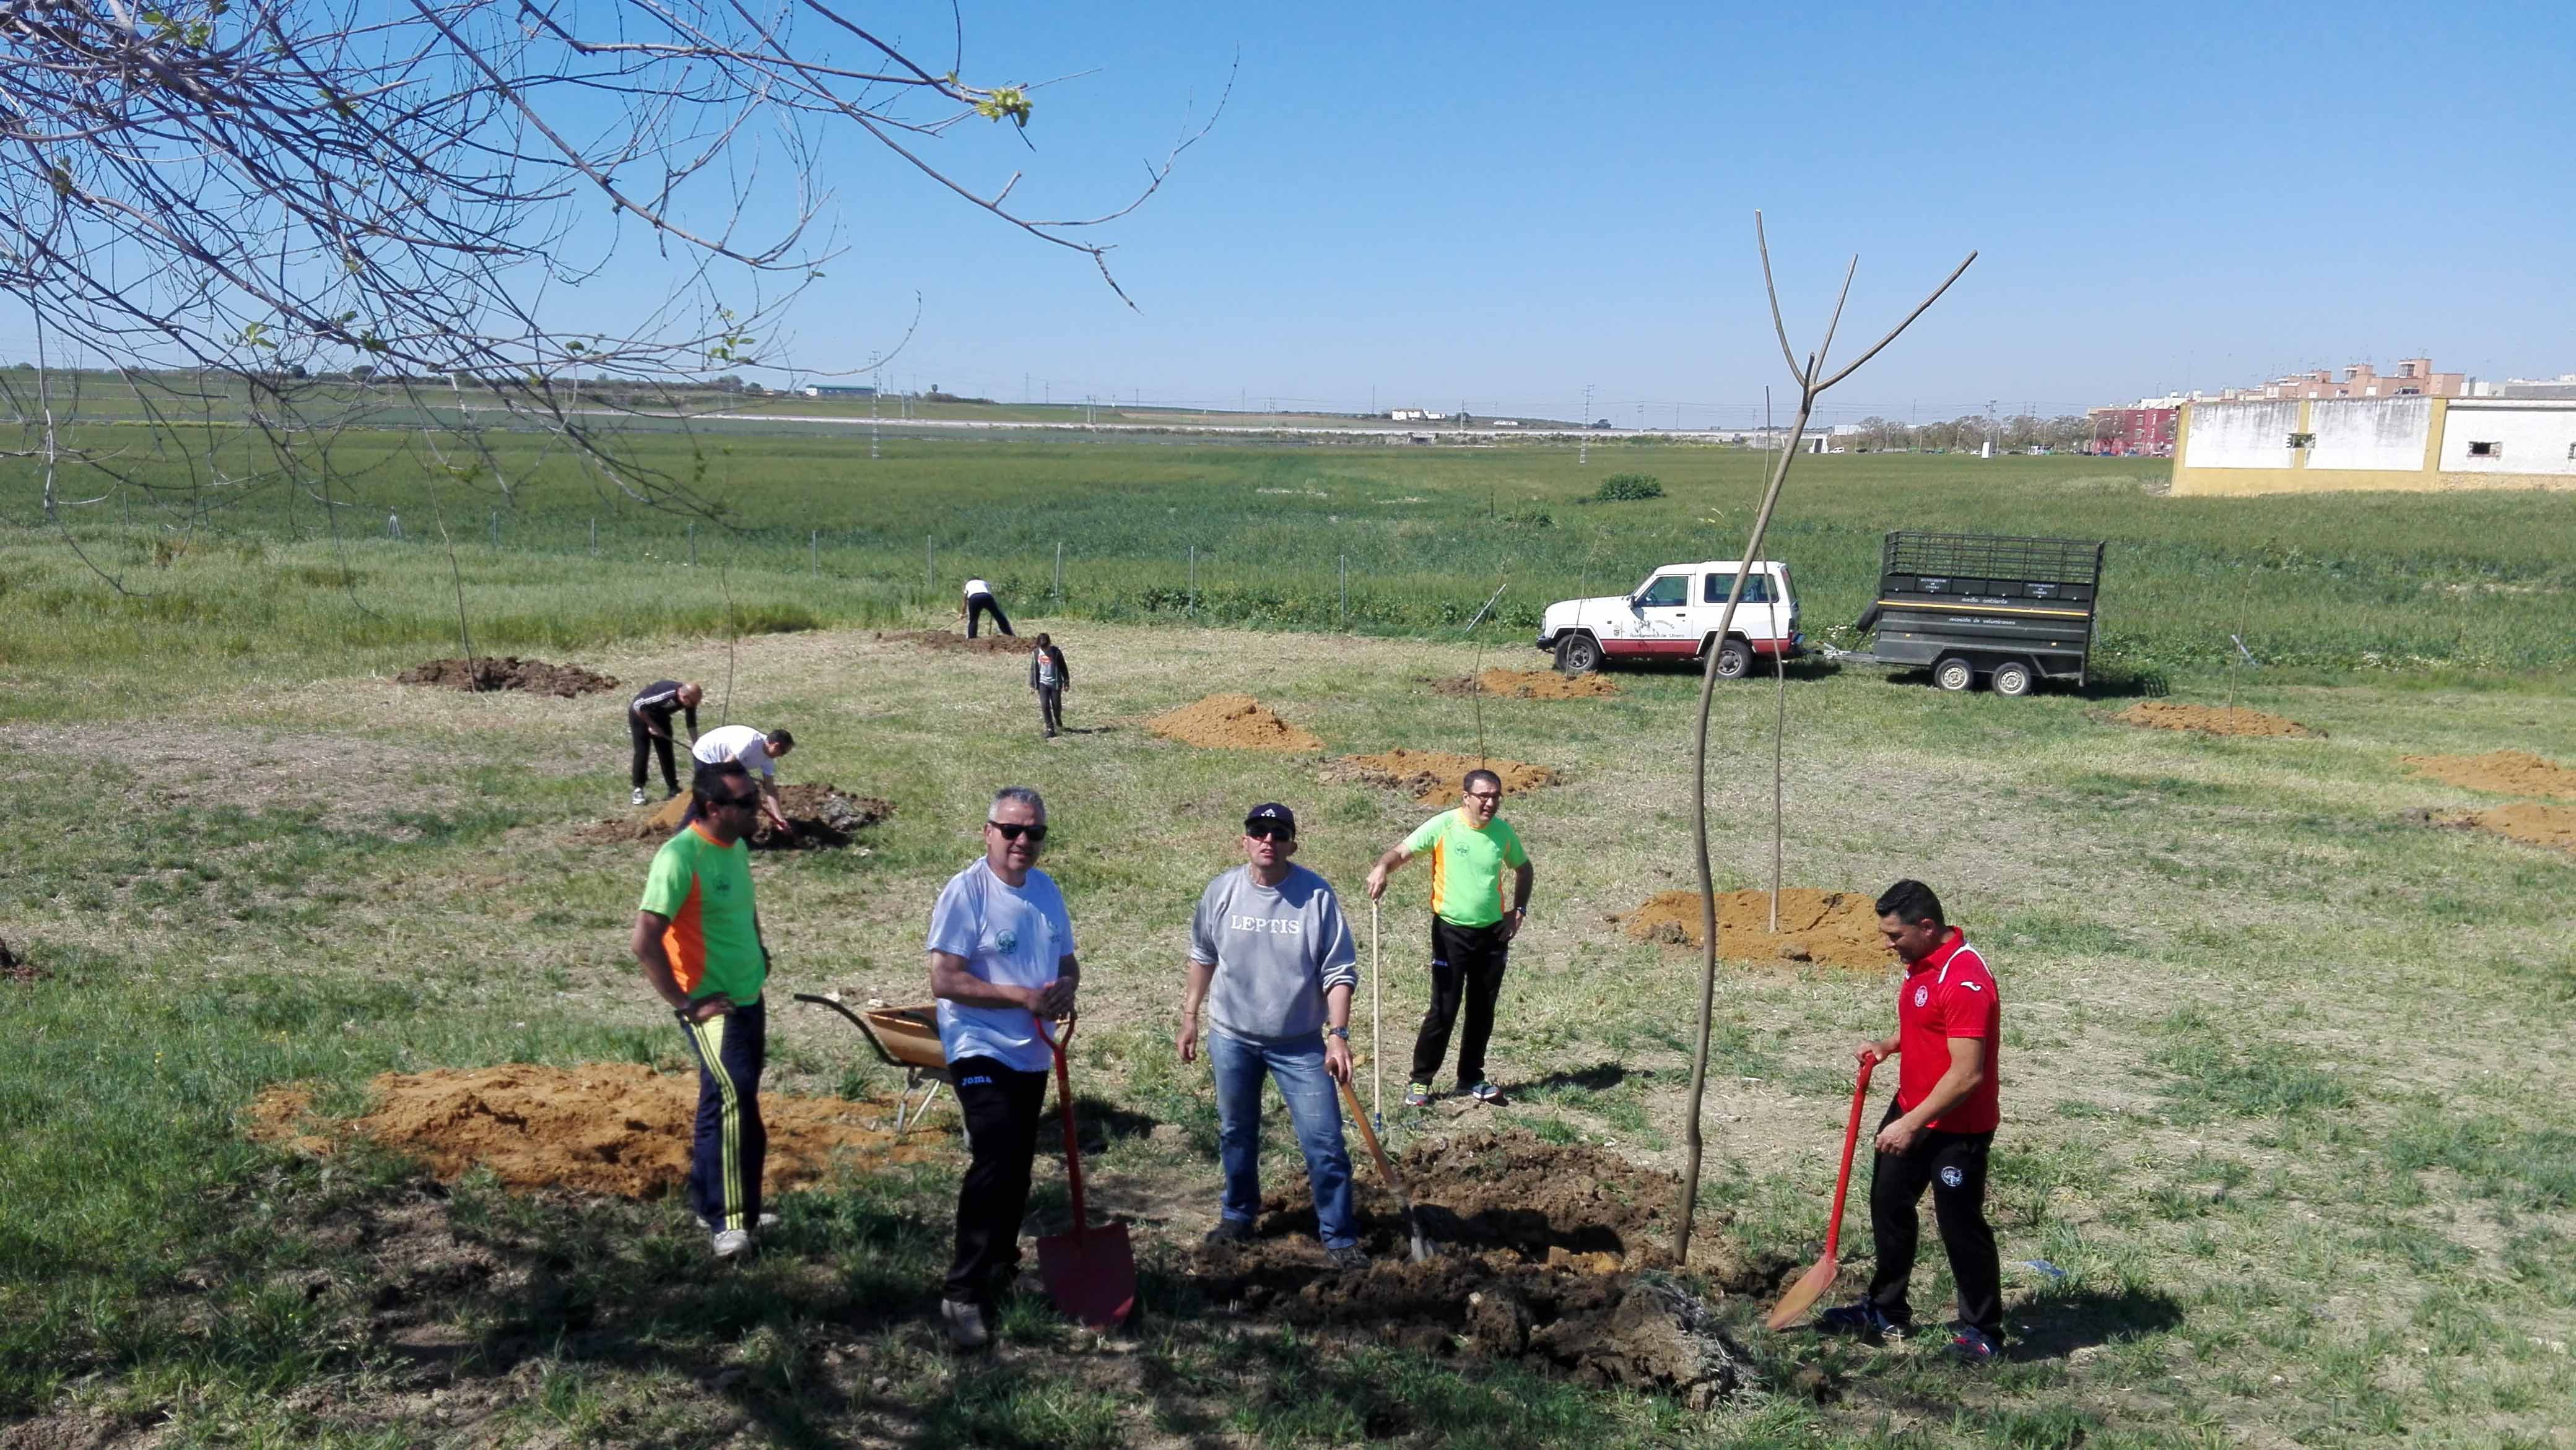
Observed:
{"x":1500,"y":204}
{"x":1503,"y":203}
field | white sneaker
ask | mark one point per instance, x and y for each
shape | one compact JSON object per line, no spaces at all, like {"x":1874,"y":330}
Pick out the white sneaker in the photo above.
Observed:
{"x":732,"y":1243}
{"x":767,"y":1222}
{"x":965,"y":1324}
{"x":638,"y":798}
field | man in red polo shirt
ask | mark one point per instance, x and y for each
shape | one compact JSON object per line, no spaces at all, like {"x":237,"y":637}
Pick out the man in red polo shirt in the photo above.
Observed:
{"x":1949,"y":1026}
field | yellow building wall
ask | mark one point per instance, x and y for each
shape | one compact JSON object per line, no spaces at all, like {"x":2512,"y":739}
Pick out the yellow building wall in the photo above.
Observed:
{"x":2190,"y":482}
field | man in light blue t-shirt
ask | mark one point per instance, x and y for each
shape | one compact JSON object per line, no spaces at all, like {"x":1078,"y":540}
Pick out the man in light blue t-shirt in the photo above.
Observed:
{"x":1273,"y":963}
{"x":1001,"y":957}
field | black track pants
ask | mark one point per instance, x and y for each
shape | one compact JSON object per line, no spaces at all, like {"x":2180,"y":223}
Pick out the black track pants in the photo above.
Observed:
{"x":647,"y":743}
{"x":1002,"y":1108}
{"x":1050,"y":709}
{"x":1466,"y":965}
{"x":1954,"y":1166}
{"x":977,"y":606}
{"x":725,"y":1163}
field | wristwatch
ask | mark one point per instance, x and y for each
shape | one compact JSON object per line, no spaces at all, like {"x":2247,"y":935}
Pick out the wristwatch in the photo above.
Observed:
{"x":1343,"y":1033}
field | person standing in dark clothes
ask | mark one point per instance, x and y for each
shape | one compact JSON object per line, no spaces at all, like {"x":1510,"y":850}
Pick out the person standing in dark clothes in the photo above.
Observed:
{"x":1001,"y":960}
{"x":1050,"y":678}
{"x":1938,"y":1129}
{"x":648,"y":721}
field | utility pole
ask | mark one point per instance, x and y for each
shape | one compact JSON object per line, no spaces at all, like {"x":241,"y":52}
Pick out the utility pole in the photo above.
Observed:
{"x":876,"y":394}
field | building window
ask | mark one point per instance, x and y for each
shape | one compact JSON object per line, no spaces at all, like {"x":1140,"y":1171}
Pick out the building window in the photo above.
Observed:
{"x":2486,"y":450}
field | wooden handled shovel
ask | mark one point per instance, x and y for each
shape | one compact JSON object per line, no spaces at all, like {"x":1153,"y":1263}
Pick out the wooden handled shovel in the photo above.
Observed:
{"x":1386,"y":1170}
{"x":1812,"y":1285}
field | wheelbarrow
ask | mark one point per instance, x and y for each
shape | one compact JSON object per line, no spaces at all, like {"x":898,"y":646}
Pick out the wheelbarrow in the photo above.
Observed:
{"x":905,"y":1038}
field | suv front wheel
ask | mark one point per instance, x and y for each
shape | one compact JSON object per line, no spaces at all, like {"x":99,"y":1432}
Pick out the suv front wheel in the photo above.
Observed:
{"x":1578,"y":654}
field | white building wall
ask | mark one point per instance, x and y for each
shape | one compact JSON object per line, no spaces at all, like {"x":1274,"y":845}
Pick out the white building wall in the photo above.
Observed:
{"x":2533,"y":437}
{"x":2384,"y":433}
{"x":2243,"y":435}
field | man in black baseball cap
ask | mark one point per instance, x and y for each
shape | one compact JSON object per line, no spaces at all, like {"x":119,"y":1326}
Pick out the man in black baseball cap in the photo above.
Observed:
{"x":1273,"y":964}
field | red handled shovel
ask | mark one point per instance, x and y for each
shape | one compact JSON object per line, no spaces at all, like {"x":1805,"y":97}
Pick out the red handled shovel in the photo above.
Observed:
{"x":1090,"y":1273}
{"x":1812,"y":1285}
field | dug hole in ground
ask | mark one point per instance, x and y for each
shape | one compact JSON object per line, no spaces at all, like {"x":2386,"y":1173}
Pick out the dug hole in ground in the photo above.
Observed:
{"x":486,"y":673}
{"x":1550,"y":1255}
{"x":825,"y":817}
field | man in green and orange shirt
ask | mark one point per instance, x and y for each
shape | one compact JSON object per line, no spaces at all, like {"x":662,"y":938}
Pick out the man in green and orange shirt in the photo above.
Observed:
{"x":698,"y":940}
{"x":1471,"y":932}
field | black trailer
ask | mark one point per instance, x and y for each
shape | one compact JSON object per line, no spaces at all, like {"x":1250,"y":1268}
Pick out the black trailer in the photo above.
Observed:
{"x":1970,"y":606}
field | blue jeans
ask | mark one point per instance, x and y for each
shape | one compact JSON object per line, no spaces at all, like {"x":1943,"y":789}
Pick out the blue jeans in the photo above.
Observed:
{"x":1240,"y":1067}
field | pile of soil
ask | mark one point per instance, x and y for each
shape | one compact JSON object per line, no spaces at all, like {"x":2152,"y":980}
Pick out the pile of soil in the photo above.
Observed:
{"x":2529,"y":822}
{"x":2210,"y":719}
{"x":825,"y":818}
{"x":1231,"y":722}
{"x":1527,"y":685}
{"x":982,"y":644}
{"x":1433,"y":778}
{"x":1549,"y":1254}
{"x":1837,"y":928}
{"x":2506,"y":772}
{"x":616,"y":1128}
{"x":508,"y":672}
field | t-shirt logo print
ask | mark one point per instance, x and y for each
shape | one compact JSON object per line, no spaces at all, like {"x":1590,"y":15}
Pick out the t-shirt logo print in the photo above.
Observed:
{"x":1008,"y":941}
{"x":1922,"y":995}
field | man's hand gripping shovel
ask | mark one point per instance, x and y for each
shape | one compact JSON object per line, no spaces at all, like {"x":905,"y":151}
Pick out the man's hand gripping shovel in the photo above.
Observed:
{"x":1812,"y":1285}
{"x":1090,"y":1272}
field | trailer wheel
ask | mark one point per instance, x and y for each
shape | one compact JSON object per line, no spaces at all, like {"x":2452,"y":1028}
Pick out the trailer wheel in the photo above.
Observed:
{"x":2013,"y":678}
{"x":1578,"y":654}
{"x":1954,"y":673}
{"x":1734,"y":659}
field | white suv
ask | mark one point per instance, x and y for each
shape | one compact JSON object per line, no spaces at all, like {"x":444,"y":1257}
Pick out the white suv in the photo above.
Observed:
{"x":1673,"y":615}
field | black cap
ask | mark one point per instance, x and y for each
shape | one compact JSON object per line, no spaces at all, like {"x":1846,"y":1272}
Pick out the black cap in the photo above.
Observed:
{"x":1273,"y":812}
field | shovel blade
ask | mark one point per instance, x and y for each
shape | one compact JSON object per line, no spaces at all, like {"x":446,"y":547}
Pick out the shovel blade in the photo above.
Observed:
{"x":1091,"y":1275}
{"x":1802,"y":1295}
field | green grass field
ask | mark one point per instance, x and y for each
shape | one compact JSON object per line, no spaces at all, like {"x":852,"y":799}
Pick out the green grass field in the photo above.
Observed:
{"x":2282,"y":1099}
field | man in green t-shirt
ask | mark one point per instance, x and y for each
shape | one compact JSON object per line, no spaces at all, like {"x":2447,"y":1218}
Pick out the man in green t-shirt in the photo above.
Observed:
{"x":698,"y":940}
{"x":1471,"y":932}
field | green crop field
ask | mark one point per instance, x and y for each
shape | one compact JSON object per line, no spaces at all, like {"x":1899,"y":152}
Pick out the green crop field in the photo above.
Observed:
{"x":2286,"y":1155}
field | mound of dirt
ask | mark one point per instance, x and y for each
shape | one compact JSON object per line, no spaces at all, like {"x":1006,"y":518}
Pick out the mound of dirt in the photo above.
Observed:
{"x":615,"y":1128}
{"x":982,"y":644}
{"x":2529,"y":822}
{"x":1549,"y":1254}
{"x":2210,"y":719}
{"x":1837,"y":928}
{"x":825,"y":818}
{"x":2505,"y":772}
{"x":1231,"y":722}
{"x":508,"y":672}
{"x":15,"y":968}
{"x":1527,"y":685}
{"x":1433,"y":778}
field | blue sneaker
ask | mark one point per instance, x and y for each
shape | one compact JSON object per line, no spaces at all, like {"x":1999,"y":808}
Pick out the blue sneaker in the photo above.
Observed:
{"x":1485,"y":1092}
{"x":1974,"y":1345}
{"x":1863,"y":1320}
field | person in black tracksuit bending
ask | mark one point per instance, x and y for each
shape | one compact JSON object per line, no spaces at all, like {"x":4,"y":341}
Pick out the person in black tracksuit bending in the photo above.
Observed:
{"x":1049,"y":676}
{"x":648,"y":723}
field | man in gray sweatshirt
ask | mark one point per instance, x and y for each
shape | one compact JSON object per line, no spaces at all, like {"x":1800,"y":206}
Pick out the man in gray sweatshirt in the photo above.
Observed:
{"x":1273,"y":965}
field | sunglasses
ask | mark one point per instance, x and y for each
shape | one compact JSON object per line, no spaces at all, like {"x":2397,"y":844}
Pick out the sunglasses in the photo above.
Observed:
{"x":1012,"y":832}
{"x":1485,"y":795}
{"x":733,"y":802}
{"x":1268,"y":830}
